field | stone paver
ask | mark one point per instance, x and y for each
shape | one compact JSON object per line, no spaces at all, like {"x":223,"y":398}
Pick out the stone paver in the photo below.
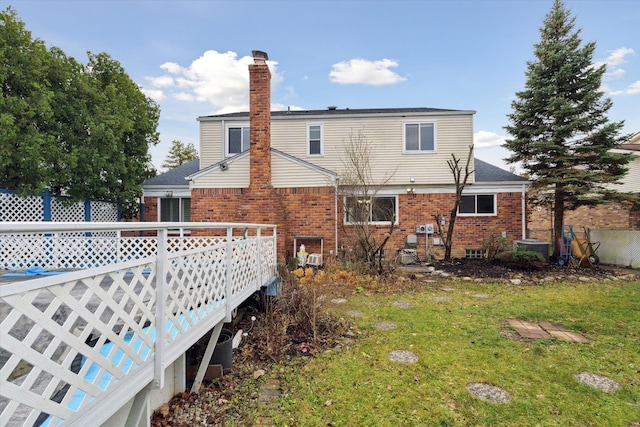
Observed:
{"x":598,"y":381}
{"x":385,"y":326}
{"x":403,"y":356}
{"x":489,"y":392}
{"x":442,"y":299}
{"x":481,"y":296}
{"x":546,"y":330}
{"x":402,"y":304}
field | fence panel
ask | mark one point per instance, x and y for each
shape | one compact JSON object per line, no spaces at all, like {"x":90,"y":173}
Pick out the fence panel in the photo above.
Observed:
{"x":617,"y":247}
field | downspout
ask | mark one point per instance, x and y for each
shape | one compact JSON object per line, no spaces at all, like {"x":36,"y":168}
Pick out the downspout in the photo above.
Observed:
{"x":224,"y":143}
{"x":524,"y":213}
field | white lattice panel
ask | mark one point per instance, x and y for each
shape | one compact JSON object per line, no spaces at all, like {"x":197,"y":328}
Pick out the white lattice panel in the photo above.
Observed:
{"x":15,"y":208}
{"x":88,"y":337}
{"x":61,"y":212}
{"x":70,"y":342}
{"x":104,"y":211}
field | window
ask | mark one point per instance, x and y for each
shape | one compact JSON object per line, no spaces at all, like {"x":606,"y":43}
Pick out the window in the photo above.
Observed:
{"x":419,"y":137}
{"x":374,"y":209}
{"x":314,"y":140}
{"x":478,"y":204}
{"x":175,"y":209}
{"x":237,"y":139}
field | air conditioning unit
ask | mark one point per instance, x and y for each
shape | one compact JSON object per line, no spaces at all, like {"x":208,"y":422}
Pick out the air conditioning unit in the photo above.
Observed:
{"x":425,"y":229}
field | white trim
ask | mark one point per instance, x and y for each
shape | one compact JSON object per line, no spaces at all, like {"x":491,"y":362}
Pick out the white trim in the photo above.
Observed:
{"x":419,"y":123}
{"x":495,"y":205}
{"x":308,"y":142}
{"x":396,"y":213}
{"x":234,"y":125}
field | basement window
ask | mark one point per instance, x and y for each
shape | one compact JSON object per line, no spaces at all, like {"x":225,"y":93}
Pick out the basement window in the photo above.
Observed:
{"x":474,"y":253}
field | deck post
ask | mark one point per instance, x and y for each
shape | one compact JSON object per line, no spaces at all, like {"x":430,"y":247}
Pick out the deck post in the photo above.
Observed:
{"x":161,"y":278}
{"x":259,"y":279}
{"x":229,"y":276}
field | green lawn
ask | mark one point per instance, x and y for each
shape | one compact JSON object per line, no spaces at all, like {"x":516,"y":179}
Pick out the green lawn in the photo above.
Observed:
{"x":463,"y":341}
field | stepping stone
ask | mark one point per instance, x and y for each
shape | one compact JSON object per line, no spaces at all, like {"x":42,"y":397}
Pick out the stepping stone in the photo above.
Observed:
{"x":338,"y":301}
{"x":402,"y":304}
{"x":481,"y":296}
{"x":355,"y":313}
{"x":385,"y":326}
{"x":489,"y":392}
{"x":528,"y":330}
{"x":442,"y":299}
{"x":446,"y":289}
{"x":598,"y":381}
{"x":403,"y":356}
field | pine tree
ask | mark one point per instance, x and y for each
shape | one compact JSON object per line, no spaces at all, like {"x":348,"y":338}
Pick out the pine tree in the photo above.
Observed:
{"x":561,"y":133}
{"x":179,"y":153}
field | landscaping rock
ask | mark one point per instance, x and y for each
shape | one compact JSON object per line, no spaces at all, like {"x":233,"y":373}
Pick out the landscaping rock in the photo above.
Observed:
{"x":489,"y":392}
{"x":403,"y":356}
{"x":402,"y":304}
{"x":385,"y":326}
{"x":442,"y":299}
{"x":598,"y":381}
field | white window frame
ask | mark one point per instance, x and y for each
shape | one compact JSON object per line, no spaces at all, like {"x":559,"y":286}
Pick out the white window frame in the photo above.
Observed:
{"x":475,"y":213}
{"x":395,"y":197}
{"x":309,"y":126}
{"x":180,"y":208}
{"x":227,"y":128}
{"x":419,"y":123}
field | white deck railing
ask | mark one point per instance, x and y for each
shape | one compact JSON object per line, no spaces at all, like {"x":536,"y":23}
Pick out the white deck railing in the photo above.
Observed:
{"x":77,"y":346}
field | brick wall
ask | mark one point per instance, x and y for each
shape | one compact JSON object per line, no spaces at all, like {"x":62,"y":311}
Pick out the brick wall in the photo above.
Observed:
{"x":604,"y":217}
{"x":469,"y":232}
{"x":150,"y":209}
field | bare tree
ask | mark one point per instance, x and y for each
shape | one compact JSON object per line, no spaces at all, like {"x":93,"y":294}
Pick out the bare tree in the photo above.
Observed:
{"x":370,"y":218}
{"x":460,"y":177}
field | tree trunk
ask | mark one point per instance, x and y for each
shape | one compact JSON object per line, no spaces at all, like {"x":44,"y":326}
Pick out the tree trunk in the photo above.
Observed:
{"x":558,"y":219}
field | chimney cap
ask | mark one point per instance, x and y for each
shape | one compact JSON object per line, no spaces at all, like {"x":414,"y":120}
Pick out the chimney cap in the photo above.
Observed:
{"x":259,"y":55}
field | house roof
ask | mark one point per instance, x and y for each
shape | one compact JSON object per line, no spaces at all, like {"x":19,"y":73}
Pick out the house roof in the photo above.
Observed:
{"x":630,"y":147}
{"x":175,"y":176}
{"x":331,"y":111}
{"x":486,"y":172}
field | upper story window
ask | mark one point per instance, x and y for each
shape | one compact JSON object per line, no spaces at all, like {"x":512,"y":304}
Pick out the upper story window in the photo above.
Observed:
{"x":175,"y":209}
{"x":419,"y":137}
{"x":315,"y":146}
{"x":477,"y":204}
{"x":237,"y":139}
{"x":379,"y":210}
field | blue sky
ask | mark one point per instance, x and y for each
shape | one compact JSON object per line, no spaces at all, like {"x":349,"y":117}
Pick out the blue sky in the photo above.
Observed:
{"x":192,"y":56}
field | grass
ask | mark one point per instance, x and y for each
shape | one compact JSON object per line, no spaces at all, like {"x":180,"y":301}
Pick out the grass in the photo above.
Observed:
{"x":463,"y":341}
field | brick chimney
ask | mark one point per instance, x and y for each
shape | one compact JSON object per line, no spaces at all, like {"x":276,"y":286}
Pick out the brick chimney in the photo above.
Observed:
{"x":260,"y":122}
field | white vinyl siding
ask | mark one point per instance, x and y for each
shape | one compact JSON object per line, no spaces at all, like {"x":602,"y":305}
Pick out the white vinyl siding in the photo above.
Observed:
{"x":235,"y":176}
{"x":287,"y":174}
{"x":454,"y":135}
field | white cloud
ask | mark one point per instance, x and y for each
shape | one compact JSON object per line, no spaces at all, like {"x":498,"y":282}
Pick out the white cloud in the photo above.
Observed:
{"x":614,"y":71}
{"x":155,"y":94}
{"x":633,"y":88}
{"x":484,"y":139}
{"x":220,"y":79}
{"x":363,"y":71}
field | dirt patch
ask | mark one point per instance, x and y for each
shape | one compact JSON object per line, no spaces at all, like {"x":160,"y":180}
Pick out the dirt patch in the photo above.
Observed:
{"x":482,"y":270}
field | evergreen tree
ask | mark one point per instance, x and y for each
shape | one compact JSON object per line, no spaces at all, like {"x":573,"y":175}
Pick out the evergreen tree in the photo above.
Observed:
{"x":179,"y":153}
{"x":561,"y":133}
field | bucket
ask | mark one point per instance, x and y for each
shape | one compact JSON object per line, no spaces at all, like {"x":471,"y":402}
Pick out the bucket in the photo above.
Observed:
{"x":223,"y":353}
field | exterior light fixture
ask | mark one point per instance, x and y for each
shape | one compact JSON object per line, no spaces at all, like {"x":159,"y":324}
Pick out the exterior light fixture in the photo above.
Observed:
{"x":168,"y":193}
